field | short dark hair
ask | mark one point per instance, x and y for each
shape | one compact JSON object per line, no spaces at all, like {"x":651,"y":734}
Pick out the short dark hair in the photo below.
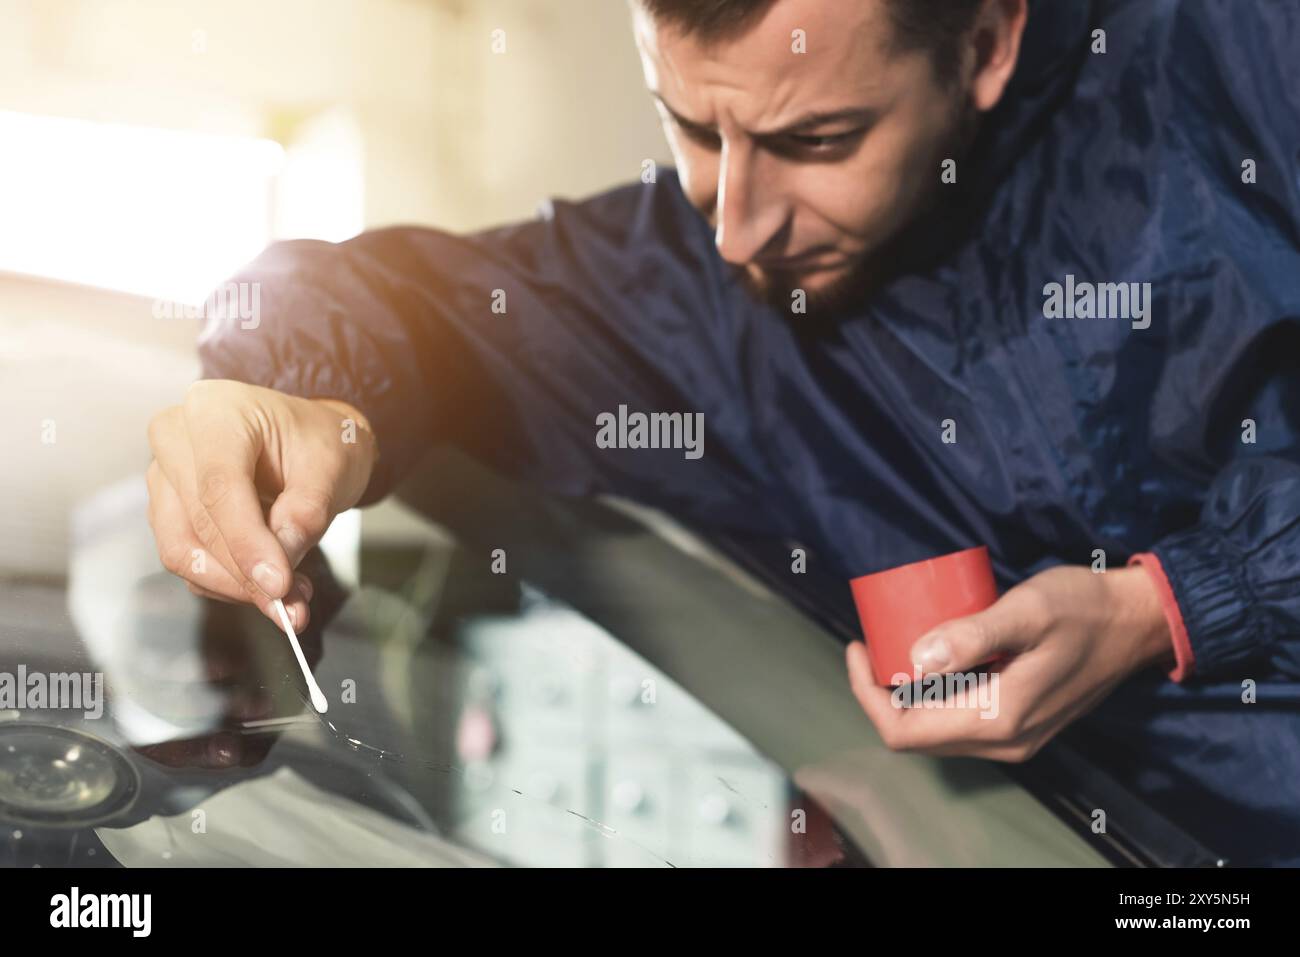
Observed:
{"x":933,"y":25}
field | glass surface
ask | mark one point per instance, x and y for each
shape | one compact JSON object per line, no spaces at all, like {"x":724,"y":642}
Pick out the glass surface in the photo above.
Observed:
{"x":474,"y":720}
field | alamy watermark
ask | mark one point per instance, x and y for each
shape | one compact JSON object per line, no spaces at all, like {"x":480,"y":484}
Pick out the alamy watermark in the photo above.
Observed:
{"x":974,"y":690}
{"x":653,"y":430}
{"x":231,"y":301}
{"x":58,"y":691}
{"x":133,"y":912}
{"x":1103,"y":300}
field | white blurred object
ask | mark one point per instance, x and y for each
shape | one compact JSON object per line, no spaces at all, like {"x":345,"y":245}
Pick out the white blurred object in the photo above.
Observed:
{"x":342,"y":546}
{"x":715,"y":809}
{"x":629,"y":796}
{"x":91,"y":388}
{"x":112,"y":555}
{"x":166,"y":214}
{"x":321,"y":191}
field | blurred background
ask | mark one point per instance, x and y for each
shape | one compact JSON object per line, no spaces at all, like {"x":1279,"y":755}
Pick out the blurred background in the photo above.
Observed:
{"x":148,"y":148}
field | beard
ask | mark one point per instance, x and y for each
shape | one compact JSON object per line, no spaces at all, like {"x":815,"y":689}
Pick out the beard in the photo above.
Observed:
{"x":779,"y":290}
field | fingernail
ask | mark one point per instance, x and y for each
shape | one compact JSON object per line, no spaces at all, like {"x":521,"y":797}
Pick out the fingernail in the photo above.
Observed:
{"x":268,"y":578}
{"x":305,"y":586}
{"x":291,"y":540}
{"x":931,"y":654}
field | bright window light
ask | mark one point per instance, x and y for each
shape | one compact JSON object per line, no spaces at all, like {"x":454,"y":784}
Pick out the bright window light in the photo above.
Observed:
{"x":160,"y":213}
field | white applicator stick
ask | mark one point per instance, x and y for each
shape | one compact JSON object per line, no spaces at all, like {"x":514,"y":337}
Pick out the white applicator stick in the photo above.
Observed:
{"x":317,"y":696}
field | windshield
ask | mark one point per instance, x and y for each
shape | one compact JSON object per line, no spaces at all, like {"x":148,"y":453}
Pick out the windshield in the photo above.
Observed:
{"x":474,"y":720}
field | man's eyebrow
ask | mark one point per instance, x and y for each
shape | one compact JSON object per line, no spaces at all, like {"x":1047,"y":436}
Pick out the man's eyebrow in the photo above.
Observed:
{"x":859,"y":115}
{"x":809,"y":121}
{"x":681,"y":120}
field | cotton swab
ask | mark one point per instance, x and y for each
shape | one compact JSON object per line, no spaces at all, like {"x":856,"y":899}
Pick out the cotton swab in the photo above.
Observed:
{"x":317,"y":696}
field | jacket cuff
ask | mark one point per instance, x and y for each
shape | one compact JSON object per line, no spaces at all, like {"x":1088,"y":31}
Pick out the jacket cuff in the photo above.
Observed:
{"x":1207,"y":579}
{"x":1185,"y":659}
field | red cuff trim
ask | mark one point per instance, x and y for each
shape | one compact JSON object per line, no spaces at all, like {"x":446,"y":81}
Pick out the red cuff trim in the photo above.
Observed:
{"x":1186,"y":662}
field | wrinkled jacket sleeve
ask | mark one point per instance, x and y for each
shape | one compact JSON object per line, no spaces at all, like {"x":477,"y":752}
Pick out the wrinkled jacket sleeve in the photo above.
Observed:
{"x":508,"y":343}
{"x":1230,"y":400}
{"x":1236,"y":574}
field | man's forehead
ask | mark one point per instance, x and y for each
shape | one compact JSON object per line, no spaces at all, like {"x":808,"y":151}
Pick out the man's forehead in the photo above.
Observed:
{"x":797,"y":57}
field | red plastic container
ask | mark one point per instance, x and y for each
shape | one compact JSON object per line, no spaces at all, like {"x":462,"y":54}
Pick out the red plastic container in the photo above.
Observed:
{"x":898,"y":606}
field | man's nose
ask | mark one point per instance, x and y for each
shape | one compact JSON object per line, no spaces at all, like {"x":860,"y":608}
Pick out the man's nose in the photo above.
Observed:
{"x":749,"y":212}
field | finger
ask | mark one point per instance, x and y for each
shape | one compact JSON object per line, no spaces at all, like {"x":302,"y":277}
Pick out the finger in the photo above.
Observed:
{"x":1010,"y":625}
{"x":182,"y":554}
{"x":875,"y":701}
{"x":296,"y":605}
{"x":225,"y":449}
{"x":299,"y":518}
{"x":1062,"y":692}
{"x":170,"y":441}
{"x":175,"y":460}
{"x":966,"y":727}
{"x":1043,"y":690}
{"x":179,"y":548}
{"x":1000,"y":714}
{"x":201,"y":592}
{"x":948,"y":726}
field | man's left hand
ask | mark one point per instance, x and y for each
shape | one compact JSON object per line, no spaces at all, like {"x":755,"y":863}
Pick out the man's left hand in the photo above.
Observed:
{"x":1070,"y":636}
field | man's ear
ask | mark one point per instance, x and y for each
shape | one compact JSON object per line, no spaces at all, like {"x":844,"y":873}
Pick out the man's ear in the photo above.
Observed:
{"x":995,"y":45}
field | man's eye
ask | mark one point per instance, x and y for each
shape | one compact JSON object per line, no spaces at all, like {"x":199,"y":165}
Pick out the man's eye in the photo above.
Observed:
{"x":821,"y":144}
{"x":705,"y":138}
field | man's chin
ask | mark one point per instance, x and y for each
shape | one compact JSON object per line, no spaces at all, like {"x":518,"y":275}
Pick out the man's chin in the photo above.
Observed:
{"x":821,"y":293}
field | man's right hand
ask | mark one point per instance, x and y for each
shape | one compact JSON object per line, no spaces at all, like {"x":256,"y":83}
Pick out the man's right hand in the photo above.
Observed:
{"x":246,"y":480}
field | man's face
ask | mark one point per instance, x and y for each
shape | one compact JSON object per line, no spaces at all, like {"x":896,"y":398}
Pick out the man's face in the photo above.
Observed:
{"x":803,"y":163}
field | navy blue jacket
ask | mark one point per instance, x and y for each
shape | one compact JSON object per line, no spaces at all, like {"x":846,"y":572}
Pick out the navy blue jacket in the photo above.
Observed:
{"x":1071,"y":434}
